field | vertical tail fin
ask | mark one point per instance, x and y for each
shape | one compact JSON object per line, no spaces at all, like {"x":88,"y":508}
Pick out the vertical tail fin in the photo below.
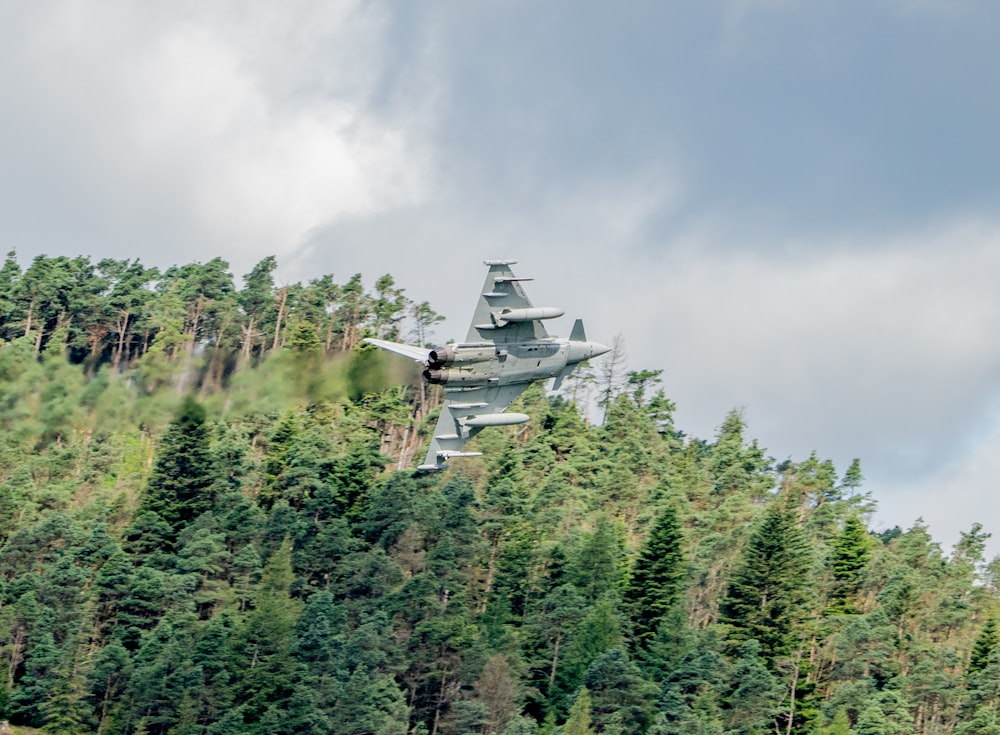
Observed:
{"x":578,"y":335}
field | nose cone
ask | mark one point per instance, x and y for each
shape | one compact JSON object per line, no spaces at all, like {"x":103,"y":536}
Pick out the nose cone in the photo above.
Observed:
{"x":597,"y":349}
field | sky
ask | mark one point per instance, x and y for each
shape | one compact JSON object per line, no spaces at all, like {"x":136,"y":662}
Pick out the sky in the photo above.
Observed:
{"x":789,"y":207}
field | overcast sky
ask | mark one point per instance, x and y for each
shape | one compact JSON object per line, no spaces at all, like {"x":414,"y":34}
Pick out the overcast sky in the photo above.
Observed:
{"x":787,"y":206}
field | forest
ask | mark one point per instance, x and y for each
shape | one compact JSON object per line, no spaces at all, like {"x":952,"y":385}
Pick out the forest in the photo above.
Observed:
{"x":209,"y":526}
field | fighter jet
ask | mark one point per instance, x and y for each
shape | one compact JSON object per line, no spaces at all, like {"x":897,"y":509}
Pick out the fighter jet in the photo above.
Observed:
{"x":506,"y":350}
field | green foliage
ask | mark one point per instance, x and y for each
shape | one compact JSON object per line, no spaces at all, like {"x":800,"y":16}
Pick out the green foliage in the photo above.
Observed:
{"x":618,"y":692}
{"x":179,"y":490}
{"x":201,"y":533}
{"x":768,"y":593}
{"x":579,"y":720}
{"x":839,"y":725}
{"x":851,"y":552}
{"x":984,"y":647}
{"x":655,"y":583}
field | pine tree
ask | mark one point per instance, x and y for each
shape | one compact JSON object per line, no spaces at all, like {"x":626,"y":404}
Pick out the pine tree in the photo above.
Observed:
{"x":268,"y":637}
{"x":656,"y":577}
{"x":108,"y":678}
{"x":735,"y":467}
{"x":853,"y":478}
{"x":984,"y":646}
{"x":597,"y":565}
{"x":979,"y":711}
{"x":255,"y":299}
{"x":179,"y":487}
{"x":40,"y":681}
{"x":851,"y":551}
{"x":839,"y":725}
{"x":618,"y":693}
{"x":497,"y":689}
{"x":599,"y":631}
{"x":578,"y":722}
{"x":559,"y":612}
{"x":755,"y":695}
{"x":65,"y":711}
{"x":689,"y":702}
{"x":768,"y":591}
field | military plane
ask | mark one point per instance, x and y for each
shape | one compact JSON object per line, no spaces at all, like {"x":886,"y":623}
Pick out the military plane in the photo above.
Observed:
{"x":506,"y":350}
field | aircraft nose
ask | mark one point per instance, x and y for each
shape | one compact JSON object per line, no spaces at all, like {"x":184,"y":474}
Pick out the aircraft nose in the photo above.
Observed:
{"x":598,"y":349}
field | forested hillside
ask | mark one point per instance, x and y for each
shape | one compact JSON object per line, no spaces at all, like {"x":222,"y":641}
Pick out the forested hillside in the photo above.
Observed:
{"x":207,"y":526}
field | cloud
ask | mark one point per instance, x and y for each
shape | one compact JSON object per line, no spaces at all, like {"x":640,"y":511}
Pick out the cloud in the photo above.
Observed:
{"x":185,"y":131}
{"x":955,"y":495}
{"x":879,"y":350}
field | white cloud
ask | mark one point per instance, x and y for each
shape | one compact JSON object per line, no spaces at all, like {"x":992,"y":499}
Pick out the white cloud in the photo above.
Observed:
{"x":962,"y":492}
{"x":185,"y":129}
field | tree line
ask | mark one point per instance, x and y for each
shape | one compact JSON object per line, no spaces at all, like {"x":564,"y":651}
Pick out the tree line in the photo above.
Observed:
{"x":111,"y":313}
{"x":248,"y":558}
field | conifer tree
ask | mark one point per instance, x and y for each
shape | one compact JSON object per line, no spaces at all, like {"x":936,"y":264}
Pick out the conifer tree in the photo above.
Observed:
{"x":255,"y":299}
{"x":656,"y":577}
{"x":599,"y":631}
{"x":839,"y":725}
{"x":268,"y":638}
{"x":560,"y":611}
{"x":179,"y":487}
{"x":108,"y":677}
{"x":853,"y":478}
{"x":735,"y":467}
{"x":40,"y":680}
{"x":597,"y":567}
{"x":979,"y":711}
{"x":619,"y":694}
{"x":578,"y":722}
{"x":984,"y":646}
{"x":755,"y":694}
{"x":851,"y":551}
{"x":65,"y":711}
{"x":10,"y":274}
{"x":768,"y":591}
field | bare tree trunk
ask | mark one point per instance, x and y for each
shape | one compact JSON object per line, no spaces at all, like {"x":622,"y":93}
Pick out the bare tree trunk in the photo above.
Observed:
{"x":329,"y":333}
{"x":195,"y":323}
{"x":16,"y":656}
{"x":795,"y":683}
{"x":404,"y":445}
{"x":555,"y":661}
{"x":122,"y":325}
{"x":27,"y":322}
{"x":281,"y":315}
{"x":248,"y":337}
{"x":611,"y":370}
{"x":491,"y":570}
{"x":437,"y":709}
{"x":351,"y":330}
{"x":217,"y":363}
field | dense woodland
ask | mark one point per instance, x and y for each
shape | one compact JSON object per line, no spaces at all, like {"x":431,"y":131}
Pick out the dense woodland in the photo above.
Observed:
{"x":205,"y":529}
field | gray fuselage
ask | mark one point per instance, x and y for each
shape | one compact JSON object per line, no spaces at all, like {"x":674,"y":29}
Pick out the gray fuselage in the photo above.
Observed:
{"x":483,"y":363}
